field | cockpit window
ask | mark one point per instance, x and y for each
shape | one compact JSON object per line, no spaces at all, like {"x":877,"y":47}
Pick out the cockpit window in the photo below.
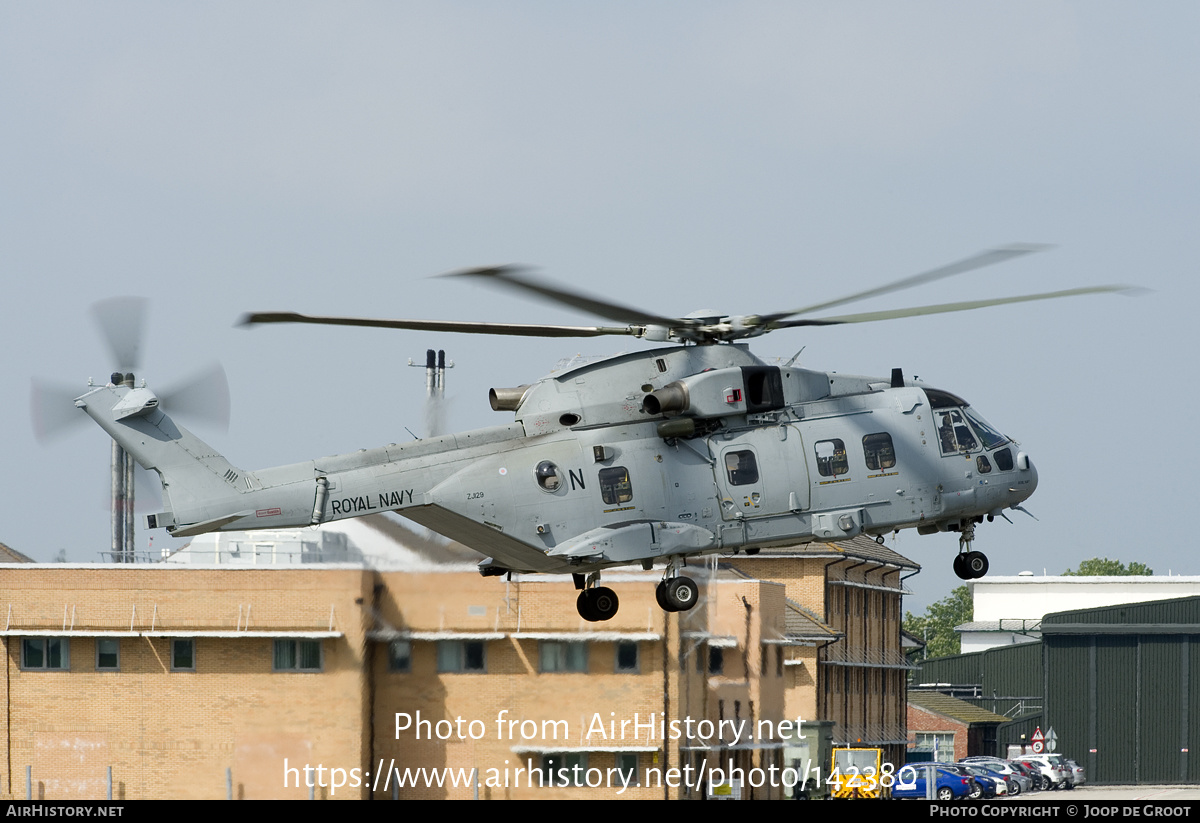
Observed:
{"x":953,"y":432}
{"x":991,"y":438}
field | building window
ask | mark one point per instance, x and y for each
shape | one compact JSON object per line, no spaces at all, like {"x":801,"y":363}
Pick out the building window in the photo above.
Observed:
{"x":45,"y":654}
{"x":400,"y":656}
{"x":297,"y":656}
{"x":627,"y":768}
{"x":183,"y":655}
{"x":557,"y":656}
{"x":627,"y":658}
{"x":108,"y":654}
{"x":940,"y":745}
{"x":564,"y":769}
{"x":461,"y":656}
{"x":716,"y":660}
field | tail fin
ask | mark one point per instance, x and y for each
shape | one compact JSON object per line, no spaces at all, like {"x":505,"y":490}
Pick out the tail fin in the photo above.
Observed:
{"x":199,"y":484}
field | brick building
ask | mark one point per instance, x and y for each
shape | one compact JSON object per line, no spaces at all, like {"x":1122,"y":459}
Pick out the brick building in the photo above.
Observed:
{"x":191,"y":681}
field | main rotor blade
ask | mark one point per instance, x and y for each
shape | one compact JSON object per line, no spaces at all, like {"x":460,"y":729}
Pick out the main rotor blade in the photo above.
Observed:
{"x":868,"y":317}
{"x":977,"y":261}
{"x":204,"y":397}
{"x":121,"y":321}
{"x":507,"y":275}
{"x":465,"y":327}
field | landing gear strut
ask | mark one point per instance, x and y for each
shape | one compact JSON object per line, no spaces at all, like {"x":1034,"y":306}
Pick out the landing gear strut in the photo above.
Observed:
{"x":596,"y":603}
{"x":969,"y":565}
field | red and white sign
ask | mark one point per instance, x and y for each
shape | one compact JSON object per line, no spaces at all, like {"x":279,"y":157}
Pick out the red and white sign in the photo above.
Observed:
{"x":1039,"y":741}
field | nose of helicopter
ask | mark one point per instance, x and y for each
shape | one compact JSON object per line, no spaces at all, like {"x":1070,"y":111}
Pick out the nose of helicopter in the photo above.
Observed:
{"x":1027,"y":479}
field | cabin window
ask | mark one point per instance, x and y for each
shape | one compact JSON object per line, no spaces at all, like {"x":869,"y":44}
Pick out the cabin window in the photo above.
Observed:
{"x":879,"y":451}
{"x":548,"y":476}
{"x":615,"y":486}
{"x":831,"y":458}
{"x":741,"y":467}
{"x":982,"y":464}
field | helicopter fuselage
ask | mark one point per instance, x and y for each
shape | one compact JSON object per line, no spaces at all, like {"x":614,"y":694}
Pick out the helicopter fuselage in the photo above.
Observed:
{"x":646,"y":456}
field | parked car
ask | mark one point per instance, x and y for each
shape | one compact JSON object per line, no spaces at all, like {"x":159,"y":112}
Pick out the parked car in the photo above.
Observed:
{"x":912,"y":780}
{"x":1054,"y":775}
{"x":986,"y":777}
{"x":1032,"y":775}
{"x":1018,"y":781}
{"x":1077,"y":774}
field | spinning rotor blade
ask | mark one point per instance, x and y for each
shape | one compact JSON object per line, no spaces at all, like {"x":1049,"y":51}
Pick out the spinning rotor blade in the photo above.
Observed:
{"x":121,"y":321}
{"x":868,"y":317}
{"x":52,"y":410}
{"x":204,"y":398}
{"x":977,"y":261}
{"x":507,"y":275}
{"x":465,"y":327}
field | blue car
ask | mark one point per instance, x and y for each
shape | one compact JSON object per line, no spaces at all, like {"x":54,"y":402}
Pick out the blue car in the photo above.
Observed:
{"x":911,"y":781}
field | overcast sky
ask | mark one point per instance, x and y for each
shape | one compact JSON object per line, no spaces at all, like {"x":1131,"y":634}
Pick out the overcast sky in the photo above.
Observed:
{"x":329,"y":157}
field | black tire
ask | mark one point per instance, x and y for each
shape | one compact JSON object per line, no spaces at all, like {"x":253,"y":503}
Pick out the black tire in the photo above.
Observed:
{"x":960,"y":567}
{"x":681,"y":593}
{"x":945,"y":793}
{"x":604,"y":603}
{"x":586,"y":606}
{"x":660,"y":594}
{"x":976,"y":564}
{"x":1046,"y":784}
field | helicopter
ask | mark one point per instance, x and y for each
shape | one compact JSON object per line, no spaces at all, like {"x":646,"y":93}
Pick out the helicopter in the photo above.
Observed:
{"x":645,"y":458}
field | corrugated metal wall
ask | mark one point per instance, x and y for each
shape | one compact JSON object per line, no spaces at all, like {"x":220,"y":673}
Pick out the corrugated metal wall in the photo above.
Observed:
{"x":1117,"y":683}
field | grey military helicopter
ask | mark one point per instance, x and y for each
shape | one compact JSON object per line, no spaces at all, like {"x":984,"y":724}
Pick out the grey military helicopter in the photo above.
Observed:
{"x":644,"y":458}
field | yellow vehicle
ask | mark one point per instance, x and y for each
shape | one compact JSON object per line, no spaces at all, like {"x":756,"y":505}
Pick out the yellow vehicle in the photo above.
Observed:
{"x":854,"y":774}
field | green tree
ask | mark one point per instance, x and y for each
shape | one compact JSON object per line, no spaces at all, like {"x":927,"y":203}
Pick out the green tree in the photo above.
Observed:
{"x":936,"y":626}
{"x":1102,"y":566}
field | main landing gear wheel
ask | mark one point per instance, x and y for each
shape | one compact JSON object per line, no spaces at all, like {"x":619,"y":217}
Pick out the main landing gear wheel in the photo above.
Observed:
{"x":677,"y":594}
{"x":597,"y":604}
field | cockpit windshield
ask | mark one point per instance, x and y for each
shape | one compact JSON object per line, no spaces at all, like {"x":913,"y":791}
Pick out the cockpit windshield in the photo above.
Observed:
{"x":960,"y":428}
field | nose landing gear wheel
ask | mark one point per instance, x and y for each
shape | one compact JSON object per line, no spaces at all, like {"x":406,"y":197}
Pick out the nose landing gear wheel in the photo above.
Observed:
{"x":971,"y":565}
{"x":597,"y":604}
{"x":977,"y":564}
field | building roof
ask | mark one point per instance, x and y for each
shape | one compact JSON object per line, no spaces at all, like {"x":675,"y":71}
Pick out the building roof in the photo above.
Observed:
{"x":802,"y":624}
{"x":11,"y":555}
{"x":952,"y":707}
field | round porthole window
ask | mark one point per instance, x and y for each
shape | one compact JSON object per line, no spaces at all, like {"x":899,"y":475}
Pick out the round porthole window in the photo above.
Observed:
{"x":548,"y":476}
